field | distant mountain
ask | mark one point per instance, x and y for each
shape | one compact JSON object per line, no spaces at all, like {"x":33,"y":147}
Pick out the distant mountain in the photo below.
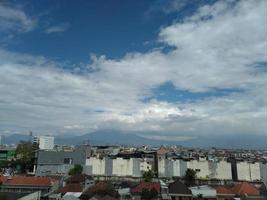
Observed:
{"x":15,"y":138}
{"x":109,"y":137}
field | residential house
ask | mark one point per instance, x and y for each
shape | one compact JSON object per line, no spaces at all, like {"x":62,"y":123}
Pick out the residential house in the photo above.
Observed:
{"x":179,"y":191}
{"x":28,"y":184}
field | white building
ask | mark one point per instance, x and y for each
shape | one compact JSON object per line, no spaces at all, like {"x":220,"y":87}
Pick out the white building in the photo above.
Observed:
{"x":100,"y":166}
{"x":247,"y":171}
{"x":126,"y":167}
{"x":44,"y":142}
{"x":205,"y":169}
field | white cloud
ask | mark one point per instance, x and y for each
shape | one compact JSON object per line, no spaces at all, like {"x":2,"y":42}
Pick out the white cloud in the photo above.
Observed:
{"x":57,"y":28}
{"x":216,"y":48}
{"x":15,"y":19}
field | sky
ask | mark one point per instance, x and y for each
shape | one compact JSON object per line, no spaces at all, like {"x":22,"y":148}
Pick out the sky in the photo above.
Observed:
{"x":167,"y":69}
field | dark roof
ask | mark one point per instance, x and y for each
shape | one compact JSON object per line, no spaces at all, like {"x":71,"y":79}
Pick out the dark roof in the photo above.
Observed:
{"x":146,"y":185}
{"x":12,"y":195}
{"x":79,"y":178}
{"x":72,"y":187}
{"x":107,"y":197}
{"x":177,"y":187}
{"x":57,"y":157}
{"x":263,"y":189}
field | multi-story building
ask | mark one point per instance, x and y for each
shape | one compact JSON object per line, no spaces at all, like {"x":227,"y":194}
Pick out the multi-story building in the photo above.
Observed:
{"x":44,"y":142}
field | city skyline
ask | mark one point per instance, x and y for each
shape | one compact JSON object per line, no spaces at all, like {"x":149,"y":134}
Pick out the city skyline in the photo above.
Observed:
{"x":169,"y":70}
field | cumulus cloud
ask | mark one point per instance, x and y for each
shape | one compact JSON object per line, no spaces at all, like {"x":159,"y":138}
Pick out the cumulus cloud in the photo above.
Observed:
{"x":57,"y":28}
{"x":15,"y":19}
{"x":218,"y":47}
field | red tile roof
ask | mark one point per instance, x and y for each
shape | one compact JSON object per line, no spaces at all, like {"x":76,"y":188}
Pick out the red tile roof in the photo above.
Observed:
{"x":146,"y":185}
{"x":27,"y":180}
{"x":107,"y":197}
{"x":241,"y":189}
{"x":245,"y":189}
{"x":222,"y":190}
{"x":162,"y":151}
{"x":72,"y":187}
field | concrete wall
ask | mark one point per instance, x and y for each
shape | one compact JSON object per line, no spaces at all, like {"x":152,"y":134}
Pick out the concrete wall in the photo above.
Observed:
{"x":161,"y":166}
{"x":46,"y":170}
{"x":248,"y":171}
{"x":126,"y":167}
{"x":207,"y":169}
{"x":263,"y":171}
{"x":223,"y":171}
{"x":100,"y":166}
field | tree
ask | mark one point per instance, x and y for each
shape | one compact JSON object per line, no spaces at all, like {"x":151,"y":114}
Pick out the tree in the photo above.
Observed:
{"x":77,"y":169}
{"x":154,"y":193}
{"x":190,"y":177}
{"x":148,"y":175}
{"x":25,"y":155}
{"x":108,"y":189}
{"x":149,"y":194}
{"x":145,"y":194}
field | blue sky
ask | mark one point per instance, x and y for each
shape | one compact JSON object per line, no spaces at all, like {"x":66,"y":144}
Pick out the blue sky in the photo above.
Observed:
{"x":112,"y":28}
{"x":172,"y":68}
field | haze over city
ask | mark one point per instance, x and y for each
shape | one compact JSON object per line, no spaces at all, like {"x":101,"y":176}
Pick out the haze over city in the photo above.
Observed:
{"x":170,"y":70}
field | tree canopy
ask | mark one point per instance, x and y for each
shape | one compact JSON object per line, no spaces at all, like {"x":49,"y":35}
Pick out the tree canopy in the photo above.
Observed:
{"x":190,"y":177}
{"x":148,"y":175}
{"x":77,"y":169}
{"x":25,"y":155}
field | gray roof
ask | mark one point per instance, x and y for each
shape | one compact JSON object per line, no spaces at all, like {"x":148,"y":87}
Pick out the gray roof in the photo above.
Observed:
{"x":57,"y":157}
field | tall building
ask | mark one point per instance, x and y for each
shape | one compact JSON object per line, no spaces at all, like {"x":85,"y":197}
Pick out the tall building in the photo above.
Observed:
{"x":44,"y":142}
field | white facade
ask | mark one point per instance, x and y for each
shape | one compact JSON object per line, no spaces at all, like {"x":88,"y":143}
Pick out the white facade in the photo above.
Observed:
{"x":146,"y":164}
{"x":223,"y":171}
{"x":106,"y":166}
{"x":248,"y":171}
{"x":204,"y":168}
{"x":100,"y":166}
{"x":126,"y":167}
{"x":44,"y":142}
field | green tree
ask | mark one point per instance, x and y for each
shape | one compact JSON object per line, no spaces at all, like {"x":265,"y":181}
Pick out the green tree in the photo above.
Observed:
{"x":149,"y":194}
{"x":108,"y":189}
{"x":153,"y":193}
{"x":77,"y":169}
{"x":148,"y":175}
{"x":25,"y":155}
{"x":190,"y":177}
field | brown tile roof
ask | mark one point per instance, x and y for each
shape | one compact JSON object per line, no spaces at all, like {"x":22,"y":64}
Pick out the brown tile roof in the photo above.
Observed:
{"x":146,"y":185}
{"x":107,"y":197}
{"x":72,"y":187}
{"x":241,"y":189}
{"x":162,"y":151}
{"x":245,"y":189}
{"x":27,"y":180}
{"x":222,"y":190}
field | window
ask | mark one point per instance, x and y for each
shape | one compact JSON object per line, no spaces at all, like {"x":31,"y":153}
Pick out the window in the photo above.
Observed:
{"x":67,"y":160}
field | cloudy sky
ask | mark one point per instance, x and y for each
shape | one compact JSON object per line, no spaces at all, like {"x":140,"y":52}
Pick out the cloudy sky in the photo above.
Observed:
{"x":166,"y":69}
